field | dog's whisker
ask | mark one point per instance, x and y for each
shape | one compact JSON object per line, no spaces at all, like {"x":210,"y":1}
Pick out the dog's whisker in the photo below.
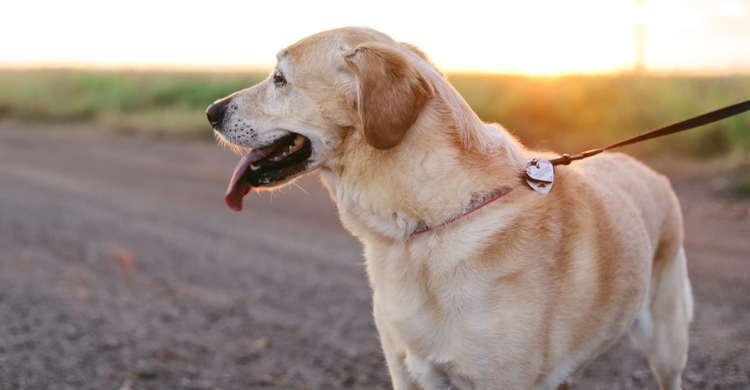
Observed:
{"x":300,"y":187}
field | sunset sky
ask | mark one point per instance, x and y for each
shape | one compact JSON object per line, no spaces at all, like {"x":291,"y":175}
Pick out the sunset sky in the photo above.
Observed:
{"x":532,"y":36}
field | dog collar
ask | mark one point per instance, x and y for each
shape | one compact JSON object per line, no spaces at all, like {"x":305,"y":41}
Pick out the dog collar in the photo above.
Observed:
{"x":474,"y":205}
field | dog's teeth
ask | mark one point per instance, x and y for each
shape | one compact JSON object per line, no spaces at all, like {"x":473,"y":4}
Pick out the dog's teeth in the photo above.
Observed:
{"x":285,"y":154}
{"x":254,"y":167}
{"x":298,"y":141}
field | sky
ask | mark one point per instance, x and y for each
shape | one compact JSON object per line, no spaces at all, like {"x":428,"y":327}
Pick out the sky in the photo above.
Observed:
{"x":543,"y":37}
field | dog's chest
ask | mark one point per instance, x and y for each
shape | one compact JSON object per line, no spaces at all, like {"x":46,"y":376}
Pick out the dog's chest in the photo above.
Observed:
{"x":434,"y":307}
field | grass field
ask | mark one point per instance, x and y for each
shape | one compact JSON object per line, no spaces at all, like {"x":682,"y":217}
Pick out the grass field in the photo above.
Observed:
{"x":569,"y":114}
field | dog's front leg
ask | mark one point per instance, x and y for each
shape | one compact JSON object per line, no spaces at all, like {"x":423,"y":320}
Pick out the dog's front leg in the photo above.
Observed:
{"x":429,"y":376}
{"x":394,"y":357}
{"x":409,"y":373}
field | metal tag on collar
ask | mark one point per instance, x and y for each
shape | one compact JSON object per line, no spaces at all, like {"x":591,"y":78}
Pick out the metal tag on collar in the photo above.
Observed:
{"x":540,"y":174}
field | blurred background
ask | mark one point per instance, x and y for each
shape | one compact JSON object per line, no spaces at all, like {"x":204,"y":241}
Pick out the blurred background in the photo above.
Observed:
{"x":121,"y":268}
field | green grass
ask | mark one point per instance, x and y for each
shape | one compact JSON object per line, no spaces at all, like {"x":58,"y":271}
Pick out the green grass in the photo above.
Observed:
{"x":150,"y":103}
{"x":567,"y":114}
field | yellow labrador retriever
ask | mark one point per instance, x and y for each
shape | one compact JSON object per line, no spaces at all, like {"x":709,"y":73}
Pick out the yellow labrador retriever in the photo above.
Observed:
{"x":517,"y":295}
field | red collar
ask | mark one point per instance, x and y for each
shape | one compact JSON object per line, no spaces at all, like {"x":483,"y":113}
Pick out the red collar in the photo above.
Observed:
{"x":426,"y":229}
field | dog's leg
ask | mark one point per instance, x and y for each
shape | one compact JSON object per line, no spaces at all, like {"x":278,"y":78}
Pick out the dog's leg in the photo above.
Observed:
{"x":662,"y":326}
{"x":397,"y":369}
{"x":428,"y":375}
{"x":394,"y":357}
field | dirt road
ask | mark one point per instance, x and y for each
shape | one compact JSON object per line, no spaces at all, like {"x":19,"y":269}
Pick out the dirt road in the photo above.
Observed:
{"x":120,"y":267}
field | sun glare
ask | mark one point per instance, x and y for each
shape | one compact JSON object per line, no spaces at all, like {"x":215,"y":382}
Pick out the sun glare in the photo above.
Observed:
{"x":541,"y":37}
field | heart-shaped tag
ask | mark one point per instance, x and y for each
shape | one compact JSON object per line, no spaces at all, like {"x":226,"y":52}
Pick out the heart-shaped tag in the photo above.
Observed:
{"x":540,"y":174}
{"x":539,"y":186}
{"x":540,"y":170}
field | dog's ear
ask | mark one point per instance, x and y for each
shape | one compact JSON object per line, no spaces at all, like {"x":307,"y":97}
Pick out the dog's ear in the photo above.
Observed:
{"x":390,"y":93}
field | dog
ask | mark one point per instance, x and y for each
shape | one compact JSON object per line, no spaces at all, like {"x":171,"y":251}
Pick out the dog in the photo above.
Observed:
{"x":517,"y":295}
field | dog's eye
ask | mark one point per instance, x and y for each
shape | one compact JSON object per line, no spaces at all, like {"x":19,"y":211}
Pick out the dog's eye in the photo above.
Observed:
{"x":279,"y":79}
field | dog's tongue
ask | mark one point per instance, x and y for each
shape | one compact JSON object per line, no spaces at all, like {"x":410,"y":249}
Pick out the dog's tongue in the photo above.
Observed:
{"x":238,"y":187}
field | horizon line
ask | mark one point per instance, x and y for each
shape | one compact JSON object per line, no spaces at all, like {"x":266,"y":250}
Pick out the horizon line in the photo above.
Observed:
{"x":266,"y":68}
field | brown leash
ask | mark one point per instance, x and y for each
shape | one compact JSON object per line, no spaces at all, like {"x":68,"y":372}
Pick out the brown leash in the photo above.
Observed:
{"x":687,"y":124}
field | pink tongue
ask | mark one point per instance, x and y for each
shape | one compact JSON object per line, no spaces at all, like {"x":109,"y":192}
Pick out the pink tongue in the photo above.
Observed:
{"x":238,"y":188}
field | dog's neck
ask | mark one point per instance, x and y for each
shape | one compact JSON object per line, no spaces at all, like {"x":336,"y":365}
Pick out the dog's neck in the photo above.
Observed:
{"x":438,"y":170}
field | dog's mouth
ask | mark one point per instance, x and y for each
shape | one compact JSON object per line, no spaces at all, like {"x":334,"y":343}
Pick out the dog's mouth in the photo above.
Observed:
{"x":268,"y":165}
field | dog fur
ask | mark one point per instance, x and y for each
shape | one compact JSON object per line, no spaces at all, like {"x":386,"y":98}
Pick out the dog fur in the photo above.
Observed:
{"x":517,"y":295}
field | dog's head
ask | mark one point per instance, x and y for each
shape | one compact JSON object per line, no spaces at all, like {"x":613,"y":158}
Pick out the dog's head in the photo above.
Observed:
{"x":329,"y":91}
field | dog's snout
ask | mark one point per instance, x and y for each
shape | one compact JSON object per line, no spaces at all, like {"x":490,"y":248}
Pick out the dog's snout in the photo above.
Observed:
{"x":215,"y":112}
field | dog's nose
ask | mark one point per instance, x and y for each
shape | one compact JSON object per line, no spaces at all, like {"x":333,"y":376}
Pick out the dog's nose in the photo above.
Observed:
{"x":215,"y":112}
